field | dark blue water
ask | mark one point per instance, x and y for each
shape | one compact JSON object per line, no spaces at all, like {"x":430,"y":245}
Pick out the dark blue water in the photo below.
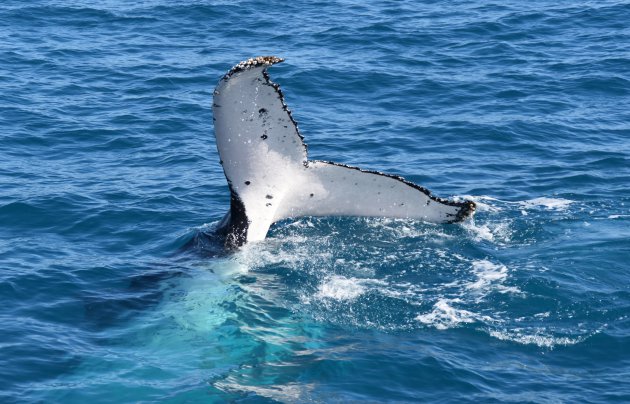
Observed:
{"x":113,"y":289}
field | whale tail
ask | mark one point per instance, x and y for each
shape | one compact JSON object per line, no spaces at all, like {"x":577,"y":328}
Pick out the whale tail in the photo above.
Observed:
{"x":264,"y":158}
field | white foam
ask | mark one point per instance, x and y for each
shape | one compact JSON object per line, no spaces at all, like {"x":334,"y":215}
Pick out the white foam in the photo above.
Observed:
{"x":271,"y":252}
{"x":445,"y":316}
{"x":341,"y":288}
{"x":487,"y":274}
{"x":549,"y":203}
{"x":480,"y":232}
{"x":283,"y":393}
{"x":493,"y":232}
{"x":539,"y":339}
{"x":407,"y":228}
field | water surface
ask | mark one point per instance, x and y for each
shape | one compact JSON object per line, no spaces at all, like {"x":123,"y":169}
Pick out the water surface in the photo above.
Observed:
{"x":113,"y":287}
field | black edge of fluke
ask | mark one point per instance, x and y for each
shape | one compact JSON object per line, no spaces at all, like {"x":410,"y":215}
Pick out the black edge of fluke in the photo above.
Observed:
{"x":467,"y":210}
{"x":253,"y":62}
{"x":285,"y":107}
{"x":268,"y":61}
{"x":467,"y":207}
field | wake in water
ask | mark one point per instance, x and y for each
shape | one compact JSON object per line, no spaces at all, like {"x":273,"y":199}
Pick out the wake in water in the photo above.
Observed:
{"x":396,"y":275}
{"x":271,"y":309}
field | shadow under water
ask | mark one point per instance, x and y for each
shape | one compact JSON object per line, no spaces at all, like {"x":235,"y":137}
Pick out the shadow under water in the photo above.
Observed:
{"x":283,"y":318}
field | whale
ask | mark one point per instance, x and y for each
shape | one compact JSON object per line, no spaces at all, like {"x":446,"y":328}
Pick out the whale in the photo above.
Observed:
{"x":270,"y":178}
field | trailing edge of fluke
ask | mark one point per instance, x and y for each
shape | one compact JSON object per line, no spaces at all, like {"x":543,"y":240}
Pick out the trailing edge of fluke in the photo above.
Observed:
{"x":264,"y":158}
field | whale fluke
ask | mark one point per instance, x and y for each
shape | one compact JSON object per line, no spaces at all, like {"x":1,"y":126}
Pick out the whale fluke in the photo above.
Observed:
{"x":264,"y":158}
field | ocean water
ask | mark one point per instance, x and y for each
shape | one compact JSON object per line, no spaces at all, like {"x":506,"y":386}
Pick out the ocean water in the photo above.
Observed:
{"x":113,"y":287}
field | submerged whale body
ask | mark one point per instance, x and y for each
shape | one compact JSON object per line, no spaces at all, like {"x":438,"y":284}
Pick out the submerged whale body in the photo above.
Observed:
{"x":264,"y":158}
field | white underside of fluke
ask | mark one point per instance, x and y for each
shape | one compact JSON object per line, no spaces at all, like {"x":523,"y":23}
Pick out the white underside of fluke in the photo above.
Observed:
{"x":265,"y":162}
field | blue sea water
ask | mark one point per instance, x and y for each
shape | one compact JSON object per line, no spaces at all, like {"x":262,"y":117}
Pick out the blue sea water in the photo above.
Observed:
{"x":114,"y":289}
